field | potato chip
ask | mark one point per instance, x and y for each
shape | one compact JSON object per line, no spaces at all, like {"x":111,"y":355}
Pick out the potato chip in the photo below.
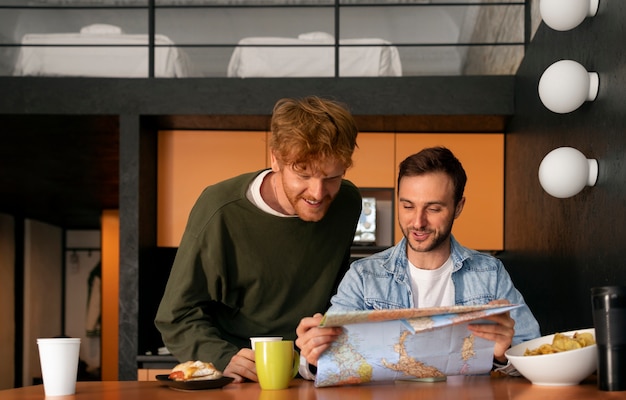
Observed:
{"x":585,"y":338}
{"x":561,"y":342}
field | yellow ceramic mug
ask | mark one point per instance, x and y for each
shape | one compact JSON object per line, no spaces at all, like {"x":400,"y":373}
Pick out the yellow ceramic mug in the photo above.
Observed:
{"x":276,"y":363}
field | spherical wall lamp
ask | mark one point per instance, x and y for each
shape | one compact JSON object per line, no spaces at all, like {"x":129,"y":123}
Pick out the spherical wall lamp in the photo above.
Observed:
{"x":566,"y":85}
{"x":563,"y":15}
{"x":565,"y":171}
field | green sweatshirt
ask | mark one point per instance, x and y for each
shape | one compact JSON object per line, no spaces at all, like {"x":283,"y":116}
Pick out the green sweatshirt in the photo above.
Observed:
{"x":241,"y":272}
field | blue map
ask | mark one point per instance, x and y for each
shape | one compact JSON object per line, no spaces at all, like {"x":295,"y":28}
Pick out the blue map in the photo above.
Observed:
{"x":406,"y":344}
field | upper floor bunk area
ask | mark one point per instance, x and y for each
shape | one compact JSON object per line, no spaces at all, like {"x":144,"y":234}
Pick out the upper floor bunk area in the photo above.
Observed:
{"x":262,"y":38}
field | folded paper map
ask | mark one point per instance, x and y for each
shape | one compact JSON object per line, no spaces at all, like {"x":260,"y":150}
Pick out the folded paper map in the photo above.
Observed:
{"x":406,"y":344}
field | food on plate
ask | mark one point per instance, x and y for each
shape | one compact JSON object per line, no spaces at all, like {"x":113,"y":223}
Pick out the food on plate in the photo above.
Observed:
{"x":562,"y":342}
{"x":194,"y":371}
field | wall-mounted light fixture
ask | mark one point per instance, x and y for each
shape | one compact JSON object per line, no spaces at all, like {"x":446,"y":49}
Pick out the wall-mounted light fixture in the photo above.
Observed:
{"x":566,"y":85}
{"x":565,"y":171}
{"x":563,"y":15}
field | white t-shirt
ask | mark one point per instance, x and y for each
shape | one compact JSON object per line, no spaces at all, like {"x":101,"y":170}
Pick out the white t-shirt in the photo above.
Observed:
{"x":432,"y":288}
{"x":254,"y":195}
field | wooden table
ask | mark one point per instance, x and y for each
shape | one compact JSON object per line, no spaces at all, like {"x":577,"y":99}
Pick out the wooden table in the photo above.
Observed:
{"x":455,"y":388}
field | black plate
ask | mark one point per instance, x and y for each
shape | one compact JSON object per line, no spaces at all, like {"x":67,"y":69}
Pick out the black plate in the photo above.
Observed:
{"x":195,"y":385}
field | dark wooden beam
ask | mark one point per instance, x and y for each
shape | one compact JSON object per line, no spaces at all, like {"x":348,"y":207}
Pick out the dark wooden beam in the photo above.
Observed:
{"x":409,"y":96}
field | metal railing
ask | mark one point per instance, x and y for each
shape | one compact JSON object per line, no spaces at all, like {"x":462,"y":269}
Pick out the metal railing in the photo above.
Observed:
{"x":153,"y":7}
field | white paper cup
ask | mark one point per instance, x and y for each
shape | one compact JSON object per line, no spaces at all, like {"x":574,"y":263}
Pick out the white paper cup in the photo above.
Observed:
{"x":254,"y":340}
{"x":59,"y":365}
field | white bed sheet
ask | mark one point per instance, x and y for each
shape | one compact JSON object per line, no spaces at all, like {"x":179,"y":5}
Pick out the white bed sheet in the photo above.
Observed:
{"x":379,"y":58}
{"x":118,"y":62}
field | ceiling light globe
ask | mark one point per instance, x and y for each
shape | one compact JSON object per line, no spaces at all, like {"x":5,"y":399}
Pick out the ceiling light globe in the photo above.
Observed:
{"x":566,"y":85}
{"x":565,"y":171}
{"x":563,"y":15}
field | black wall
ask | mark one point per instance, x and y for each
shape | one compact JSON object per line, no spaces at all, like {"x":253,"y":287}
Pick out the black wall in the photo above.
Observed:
{"x":557,"y":249}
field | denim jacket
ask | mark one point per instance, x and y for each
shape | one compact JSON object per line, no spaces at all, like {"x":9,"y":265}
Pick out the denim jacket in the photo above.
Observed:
{"x":382,"y":281}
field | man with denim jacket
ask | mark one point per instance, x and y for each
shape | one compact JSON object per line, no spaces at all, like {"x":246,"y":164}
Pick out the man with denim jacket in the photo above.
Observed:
{"x":428,"y":267}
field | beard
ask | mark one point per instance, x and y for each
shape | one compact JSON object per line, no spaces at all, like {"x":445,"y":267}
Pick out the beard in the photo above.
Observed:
{"x":435,"y":240}
{"x":308,"y":212}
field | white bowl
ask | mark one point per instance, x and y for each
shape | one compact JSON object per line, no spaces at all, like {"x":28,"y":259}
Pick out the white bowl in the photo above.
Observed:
{"x":558,"y":369}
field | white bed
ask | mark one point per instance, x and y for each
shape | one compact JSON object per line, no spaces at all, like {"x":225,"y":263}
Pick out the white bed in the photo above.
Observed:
{"x":98,"y":61}
{"x":303,"y":57}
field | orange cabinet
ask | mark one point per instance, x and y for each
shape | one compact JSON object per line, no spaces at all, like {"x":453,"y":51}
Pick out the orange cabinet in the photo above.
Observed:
{"x":480,"y":225}
{"x":189,"y":161}
{"x":146,"y":374}
{"x":373,"y":161}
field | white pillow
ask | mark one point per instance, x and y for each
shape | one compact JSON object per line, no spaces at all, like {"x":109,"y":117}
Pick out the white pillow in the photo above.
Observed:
{"x":317,"y":36}
{"x":101,"y":29}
